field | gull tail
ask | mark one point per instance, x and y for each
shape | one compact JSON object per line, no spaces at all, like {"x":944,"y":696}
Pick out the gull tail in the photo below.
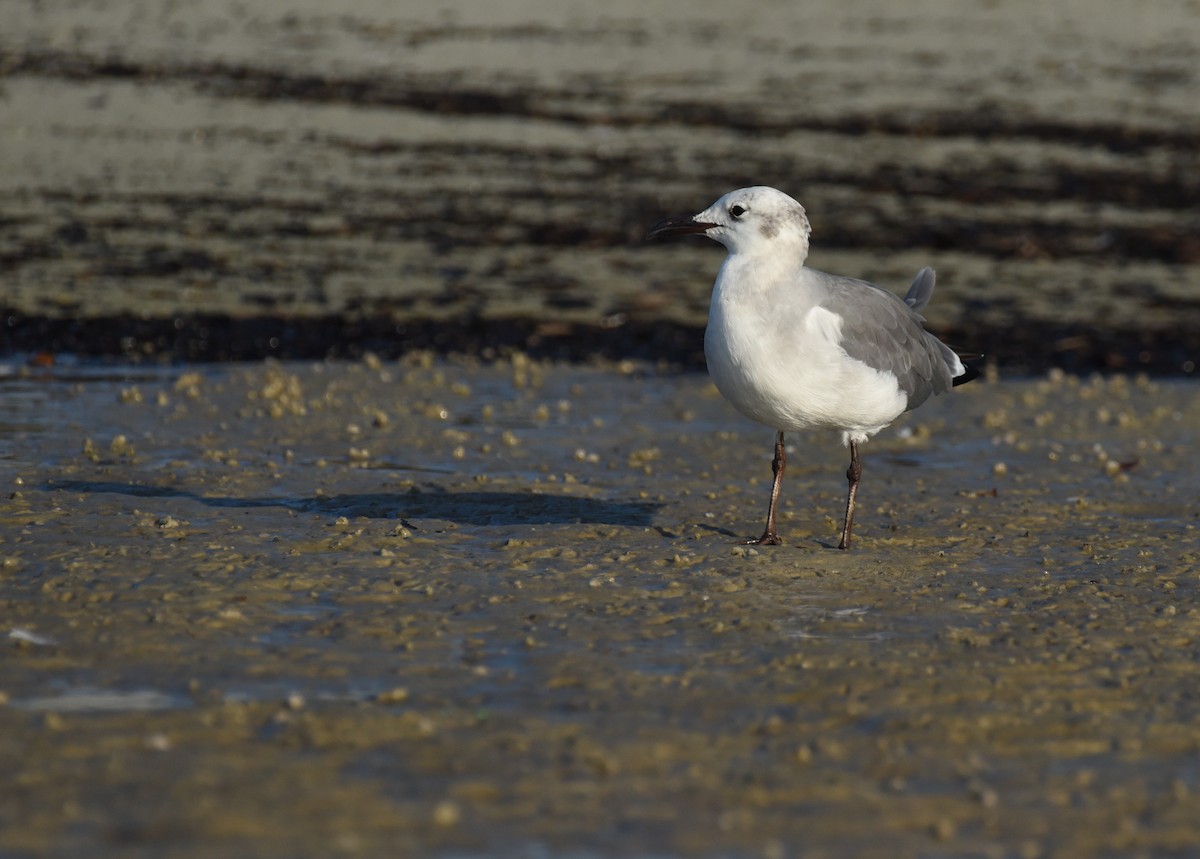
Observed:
{"x":917,"y":297}
{"x":921,"y":290}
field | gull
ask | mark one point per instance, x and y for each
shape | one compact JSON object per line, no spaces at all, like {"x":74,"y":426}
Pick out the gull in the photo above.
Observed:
{"x":795,"y":348}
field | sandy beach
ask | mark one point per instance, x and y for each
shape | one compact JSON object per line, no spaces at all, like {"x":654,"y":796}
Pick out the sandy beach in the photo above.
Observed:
{"x":261,"y":179}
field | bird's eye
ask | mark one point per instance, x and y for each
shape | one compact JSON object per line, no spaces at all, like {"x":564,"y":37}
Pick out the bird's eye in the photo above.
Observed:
{"x":737,"y":211}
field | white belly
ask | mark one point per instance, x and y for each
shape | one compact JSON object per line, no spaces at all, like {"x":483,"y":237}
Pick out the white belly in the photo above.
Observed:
{"x":789,"y":372}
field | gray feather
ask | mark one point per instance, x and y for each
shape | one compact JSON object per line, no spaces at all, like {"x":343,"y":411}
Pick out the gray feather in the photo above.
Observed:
{"x":886,"y":333}
{"x":921,"y":290}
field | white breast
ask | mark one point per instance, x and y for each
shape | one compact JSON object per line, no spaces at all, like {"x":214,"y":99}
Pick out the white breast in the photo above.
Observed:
{"x":780,"y":362}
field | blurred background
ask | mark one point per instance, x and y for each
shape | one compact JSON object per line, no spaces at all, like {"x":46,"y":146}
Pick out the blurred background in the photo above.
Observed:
{"x":243,"y":178}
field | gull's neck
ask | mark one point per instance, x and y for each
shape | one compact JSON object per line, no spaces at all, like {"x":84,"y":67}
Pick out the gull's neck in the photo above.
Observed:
{"x":762,"y":267}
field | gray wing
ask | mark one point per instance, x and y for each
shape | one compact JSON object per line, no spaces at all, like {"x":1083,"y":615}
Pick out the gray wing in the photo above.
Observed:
{"x":887,"y":334}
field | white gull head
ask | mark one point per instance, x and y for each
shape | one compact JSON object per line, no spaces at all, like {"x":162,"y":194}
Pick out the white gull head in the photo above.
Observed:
{"x":753,"y":221}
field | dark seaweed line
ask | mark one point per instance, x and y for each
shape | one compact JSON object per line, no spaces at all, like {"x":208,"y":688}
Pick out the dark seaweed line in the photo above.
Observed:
{"x":468,"y":225}
{"x":980,"y":123}
{"x":975,"y":185}
{"x":239,"y":81}
{"x":1031,"y":347}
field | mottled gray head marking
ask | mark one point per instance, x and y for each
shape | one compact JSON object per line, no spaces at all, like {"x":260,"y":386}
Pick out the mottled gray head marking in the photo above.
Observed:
{"x":755,"y":220}
{"x":776,"y":214}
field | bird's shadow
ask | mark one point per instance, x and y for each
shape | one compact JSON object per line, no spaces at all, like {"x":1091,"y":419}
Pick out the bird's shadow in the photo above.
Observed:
{"x":464,"y":508}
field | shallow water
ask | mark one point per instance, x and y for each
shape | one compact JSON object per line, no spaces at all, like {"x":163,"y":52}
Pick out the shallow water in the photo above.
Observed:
{"x":463,"y":609}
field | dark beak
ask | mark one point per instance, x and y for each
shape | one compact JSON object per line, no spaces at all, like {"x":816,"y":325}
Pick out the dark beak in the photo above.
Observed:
{"x":678,"y":225}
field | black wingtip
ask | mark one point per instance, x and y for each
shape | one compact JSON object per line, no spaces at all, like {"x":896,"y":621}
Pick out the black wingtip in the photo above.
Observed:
{"x":971,"y":373}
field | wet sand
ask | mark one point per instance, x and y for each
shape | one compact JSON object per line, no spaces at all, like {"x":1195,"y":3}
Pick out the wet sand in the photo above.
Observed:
{"x":460,"y":609}
{"x":479,"y":596}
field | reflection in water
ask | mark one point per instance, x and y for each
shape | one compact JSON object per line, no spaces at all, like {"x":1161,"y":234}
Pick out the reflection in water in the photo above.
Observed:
{"x":87,"y":700}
